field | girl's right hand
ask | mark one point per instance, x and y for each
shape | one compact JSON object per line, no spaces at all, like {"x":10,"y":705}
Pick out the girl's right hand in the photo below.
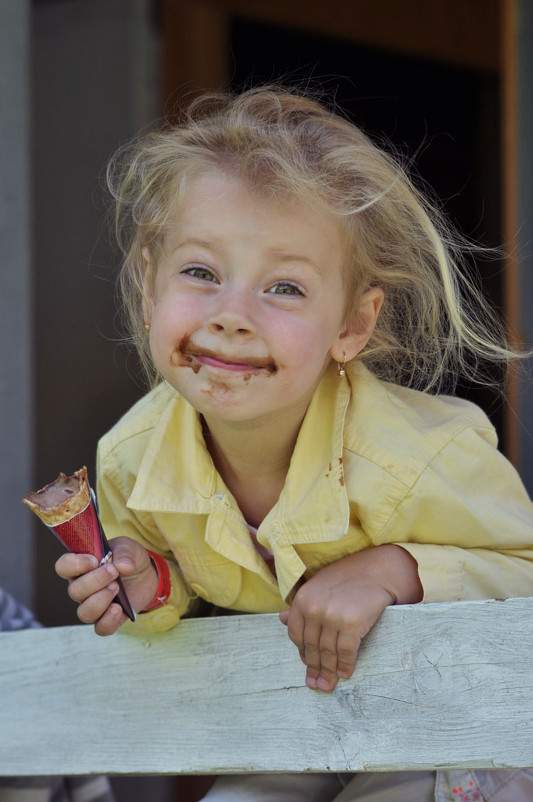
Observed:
{"x":94,"y":587}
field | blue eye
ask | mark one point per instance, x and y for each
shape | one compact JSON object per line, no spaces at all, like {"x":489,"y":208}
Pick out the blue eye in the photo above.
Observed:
{"x":285,"y":288}
{"x":201,"y":273}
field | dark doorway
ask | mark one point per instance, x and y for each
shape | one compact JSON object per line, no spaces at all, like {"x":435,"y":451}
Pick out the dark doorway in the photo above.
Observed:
{"x":442,"y":119}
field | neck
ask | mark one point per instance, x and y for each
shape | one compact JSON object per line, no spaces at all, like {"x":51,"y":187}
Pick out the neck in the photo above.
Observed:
{"x":253,"y":460}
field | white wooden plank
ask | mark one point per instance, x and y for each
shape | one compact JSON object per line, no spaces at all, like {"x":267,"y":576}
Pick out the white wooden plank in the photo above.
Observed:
{"x":436,"y":685}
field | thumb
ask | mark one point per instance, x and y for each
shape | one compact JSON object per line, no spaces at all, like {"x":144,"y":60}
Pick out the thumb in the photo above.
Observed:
{"x":128,"y":555}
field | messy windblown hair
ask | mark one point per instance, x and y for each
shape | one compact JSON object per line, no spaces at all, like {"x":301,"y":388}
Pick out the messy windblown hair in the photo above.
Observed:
{"x":434,"y":325}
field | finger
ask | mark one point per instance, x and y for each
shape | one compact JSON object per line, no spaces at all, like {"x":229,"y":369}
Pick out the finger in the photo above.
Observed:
{"x":111,"y":620}
{"x":295,"y":630}
{"x":347,"y":648}
{"x":86,"y":585}
{"x":311,"y":658}
{"x":92,"y":609}
{"x":130,"y":557}
{"x":327,"y":676}
{"x":124,"y":561}
{"x":70,"y":566}
{"x":326,"y":683}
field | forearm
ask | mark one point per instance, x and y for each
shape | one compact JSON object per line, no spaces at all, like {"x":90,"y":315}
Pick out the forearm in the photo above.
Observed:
{"x":389,"y":568}
{"x":398,"y":570}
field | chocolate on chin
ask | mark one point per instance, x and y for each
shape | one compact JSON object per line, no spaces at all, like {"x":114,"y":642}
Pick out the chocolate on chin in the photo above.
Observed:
{"x":68,"y":508}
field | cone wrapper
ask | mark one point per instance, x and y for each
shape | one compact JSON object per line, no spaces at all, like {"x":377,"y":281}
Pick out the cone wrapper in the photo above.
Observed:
{"x":68,"y":508}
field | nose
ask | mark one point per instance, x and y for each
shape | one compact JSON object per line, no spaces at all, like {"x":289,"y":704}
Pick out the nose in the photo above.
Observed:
{"x":233,"y":315}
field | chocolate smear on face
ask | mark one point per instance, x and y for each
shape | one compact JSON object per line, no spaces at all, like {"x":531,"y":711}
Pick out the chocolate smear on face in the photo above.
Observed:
{"x":190,"y":352}
{"x":191,"y":362}
{"x":180,"y":359}
{"x":270,"y":372}
{"x":186,"y":355}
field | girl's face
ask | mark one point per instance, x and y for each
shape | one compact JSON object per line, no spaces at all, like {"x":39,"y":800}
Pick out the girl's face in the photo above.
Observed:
{"x":247,"y":307}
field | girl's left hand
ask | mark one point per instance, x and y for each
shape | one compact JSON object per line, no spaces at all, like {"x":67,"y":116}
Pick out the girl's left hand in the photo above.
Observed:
{"x":337,"y":607}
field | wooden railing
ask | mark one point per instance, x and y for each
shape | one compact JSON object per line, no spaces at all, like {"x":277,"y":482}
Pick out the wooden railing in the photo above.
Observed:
{"x":447,"y":685}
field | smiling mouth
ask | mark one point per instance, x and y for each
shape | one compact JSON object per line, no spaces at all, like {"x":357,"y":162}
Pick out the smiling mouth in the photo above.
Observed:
{"x":194,"y":356}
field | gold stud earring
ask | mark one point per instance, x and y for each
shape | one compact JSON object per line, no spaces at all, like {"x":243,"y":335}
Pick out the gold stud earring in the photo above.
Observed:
{"x":341,"y":368}
{"x":147,"y":327}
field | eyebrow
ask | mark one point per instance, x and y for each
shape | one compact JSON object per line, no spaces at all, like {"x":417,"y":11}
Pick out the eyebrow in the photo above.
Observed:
{"x":278,"y":255}
{"x":203,"y":243}
{"x":282,"y":256}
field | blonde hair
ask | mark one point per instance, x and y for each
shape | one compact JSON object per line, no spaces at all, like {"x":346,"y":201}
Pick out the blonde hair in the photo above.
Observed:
{"x":434,"y":325}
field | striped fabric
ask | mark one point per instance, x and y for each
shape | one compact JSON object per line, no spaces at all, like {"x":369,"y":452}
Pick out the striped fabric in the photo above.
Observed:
{"x":55,"y":789}
{"x":14,"y":615}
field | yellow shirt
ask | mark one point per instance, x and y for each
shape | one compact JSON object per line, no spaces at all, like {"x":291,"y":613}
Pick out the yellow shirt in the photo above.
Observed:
{"x":374,"y":463}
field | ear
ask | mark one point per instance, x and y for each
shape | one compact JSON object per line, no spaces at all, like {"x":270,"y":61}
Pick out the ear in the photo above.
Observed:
{"x":148,"y":292}
{"x":358,"y":330}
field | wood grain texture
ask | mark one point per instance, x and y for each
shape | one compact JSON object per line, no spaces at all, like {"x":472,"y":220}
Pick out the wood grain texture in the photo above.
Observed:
{"x":446,"y":684}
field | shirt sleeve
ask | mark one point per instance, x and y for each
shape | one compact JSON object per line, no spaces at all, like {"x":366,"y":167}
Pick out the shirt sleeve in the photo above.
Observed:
{"x":118,"y":520}
{"x":468,"y":522}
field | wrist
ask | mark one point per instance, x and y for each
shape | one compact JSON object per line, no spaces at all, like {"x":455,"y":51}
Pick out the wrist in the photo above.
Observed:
{"x":163,"y":589}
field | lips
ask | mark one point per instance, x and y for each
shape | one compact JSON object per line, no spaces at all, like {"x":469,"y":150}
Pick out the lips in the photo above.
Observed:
{"x":205,"y":356}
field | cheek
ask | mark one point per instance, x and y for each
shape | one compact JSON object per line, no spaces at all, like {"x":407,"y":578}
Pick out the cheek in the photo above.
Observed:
{"x":305,"y":345}
{"x":166,"y":330}
{"x":170,"y":315}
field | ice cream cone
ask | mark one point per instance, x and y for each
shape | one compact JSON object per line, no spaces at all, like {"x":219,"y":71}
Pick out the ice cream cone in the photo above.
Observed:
{"x":68,"y":508}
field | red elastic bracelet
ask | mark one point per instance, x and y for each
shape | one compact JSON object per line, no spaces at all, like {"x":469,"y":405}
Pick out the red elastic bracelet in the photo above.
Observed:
{"x":163,"y":588}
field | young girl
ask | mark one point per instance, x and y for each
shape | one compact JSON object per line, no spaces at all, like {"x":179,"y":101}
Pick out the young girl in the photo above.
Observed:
{"x":297,"y":300}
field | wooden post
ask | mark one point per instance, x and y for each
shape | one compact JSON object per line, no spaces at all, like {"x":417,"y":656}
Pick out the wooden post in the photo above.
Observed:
{"x":509,"y":101}
{"x":16,"y":295}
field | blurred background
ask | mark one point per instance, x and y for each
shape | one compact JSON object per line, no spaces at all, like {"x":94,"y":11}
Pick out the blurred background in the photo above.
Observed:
{"x":446,"y":82}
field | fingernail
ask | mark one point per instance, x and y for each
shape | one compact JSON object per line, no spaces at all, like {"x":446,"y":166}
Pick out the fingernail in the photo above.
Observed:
{"x":111,"y":570}
{"x":113,"y":587}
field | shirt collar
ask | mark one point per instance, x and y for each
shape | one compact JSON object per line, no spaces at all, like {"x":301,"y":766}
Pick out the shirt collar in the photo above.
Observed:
{"x":177,"y":475}
{"x":313,"y":505}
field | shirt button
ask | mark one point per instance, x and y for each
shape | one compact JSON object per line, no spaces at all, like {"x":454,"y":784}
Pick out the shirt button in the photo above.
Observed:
{"x":200,"y":591}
